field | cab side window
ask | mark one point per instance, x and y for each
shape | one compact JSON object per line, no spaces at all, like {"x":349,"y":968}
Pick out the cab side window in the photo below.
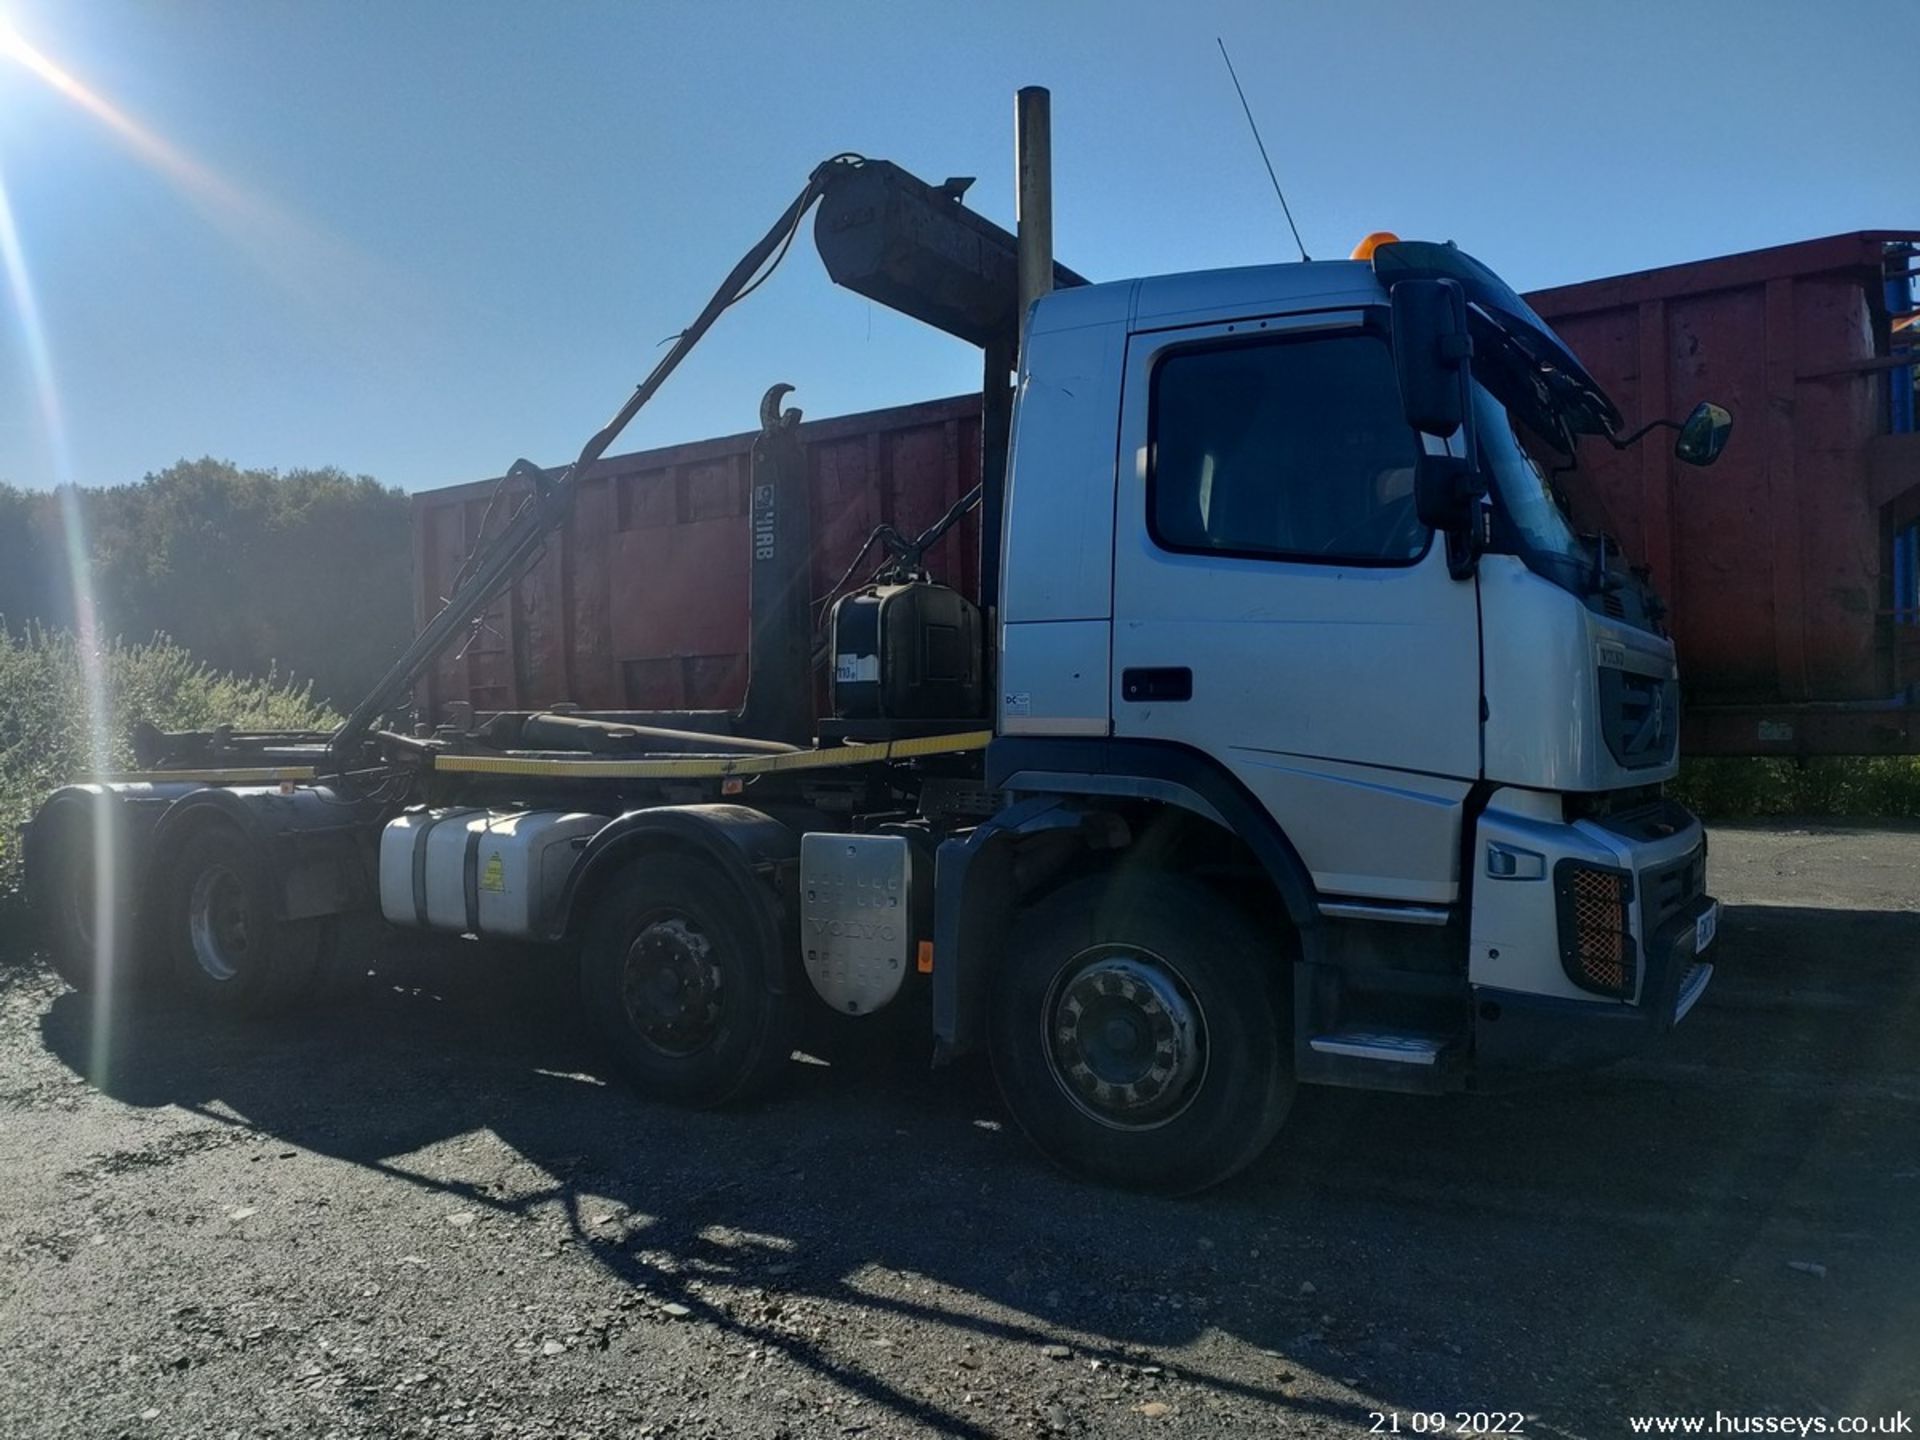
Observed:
{"x":1289,"y":448}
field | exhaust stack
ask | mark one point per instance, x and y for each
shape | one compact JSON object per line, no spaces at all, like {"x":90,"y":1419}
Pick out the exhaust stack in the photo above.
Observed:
{"x":1033,"y":164}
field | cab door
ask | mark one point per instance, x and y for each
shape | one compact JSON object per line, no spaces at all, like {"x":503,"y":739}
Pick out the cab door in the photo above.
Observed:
{"x":1279,"y":608}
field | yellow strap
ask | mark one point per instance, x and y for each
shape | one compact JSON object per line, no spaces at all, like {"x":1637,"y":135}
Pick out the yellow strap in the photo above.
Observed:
{"x":711,"y":767}
{"x":262,"y":776}
{"x":700,"y":767}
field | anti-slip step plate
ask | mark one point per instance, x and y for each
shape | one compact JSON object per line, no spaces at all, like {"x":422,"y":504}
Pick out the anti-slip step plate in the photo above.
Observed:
{"x":1396,"y":1047}
{"x":1692,"y":986}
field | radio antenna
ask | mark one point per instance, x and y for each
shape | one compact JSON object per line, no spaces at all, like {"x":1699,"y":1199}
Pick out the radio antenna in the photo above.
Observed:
{"x":1285,"y":209}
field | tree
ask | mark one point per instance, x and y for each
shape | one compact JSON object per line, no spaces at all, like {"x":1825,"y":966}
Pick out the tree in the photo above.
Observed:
{"x":307,"y":571}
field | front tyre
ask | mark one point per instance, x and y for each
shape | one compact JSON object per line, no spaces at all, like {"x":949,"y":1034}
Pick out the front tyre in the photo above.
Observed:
{"x":1141,"y":1032}
{"x":685,"y":983}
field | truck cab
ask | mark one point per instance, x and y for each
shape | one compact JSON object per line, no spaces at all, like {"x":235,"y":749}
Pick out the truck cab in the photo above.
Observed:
{"x":1436,"y":752}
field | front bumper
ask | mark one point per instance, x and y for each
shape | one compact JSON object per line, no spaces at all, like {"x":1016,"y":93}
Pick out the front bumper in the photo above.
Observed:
{"x":1518,"y":1034}
{"x":1535,"y":1007}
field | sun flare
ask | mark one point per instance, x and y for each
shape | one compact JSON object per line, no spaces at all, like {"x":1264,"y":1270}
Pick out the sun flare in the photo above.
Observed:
{"x":294,"y":253}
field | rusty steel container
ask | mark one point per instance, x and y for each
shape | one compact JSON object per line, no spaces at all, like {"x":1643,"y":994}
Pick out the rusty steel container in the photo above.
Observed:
{"x":640,"y":601}
{"x":1780,"y":562}
{"x":1783,"y":563}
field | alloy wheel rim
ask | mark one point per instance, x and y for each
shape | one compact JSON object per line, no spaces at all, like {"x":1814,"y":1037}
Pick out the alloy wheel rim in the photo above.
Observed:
{"x":672,"y":985}
{"x":1126,"y":1039}
{"x":217,"y":923}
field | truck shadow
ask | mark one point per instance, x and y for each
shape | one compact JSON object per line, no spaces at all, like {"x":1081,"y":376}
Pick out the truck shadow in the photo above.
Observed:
{"x":1620,"y":1241}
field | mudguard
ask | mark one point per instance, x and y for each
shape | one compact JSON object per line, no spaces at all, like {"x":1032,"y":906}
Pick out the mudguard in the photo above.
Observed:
{"x":974,"y":879}
{"x":308,"y":835}
{"x":311,"y":834}
{"x":973,"y":906}
{"x":751,"y":846}
{"x":130,"y":810}
{"x":1167,"y":774}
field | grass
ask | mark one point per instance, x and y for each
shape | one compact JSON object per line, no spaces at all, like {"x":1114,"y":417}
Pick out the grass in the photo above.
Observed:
{"x":45,"y":738}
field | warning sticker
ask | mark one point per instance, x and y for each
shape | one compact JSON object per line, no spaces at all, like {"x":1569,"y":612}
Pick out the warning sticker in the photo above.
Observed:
{"x":851,"y":669}
{"x":493,"y":875}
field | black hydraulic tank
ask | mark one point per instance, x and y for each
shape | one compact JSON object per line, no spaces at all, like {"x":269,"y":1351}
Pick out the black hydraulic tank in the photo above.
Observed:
{"x":907,"y":652}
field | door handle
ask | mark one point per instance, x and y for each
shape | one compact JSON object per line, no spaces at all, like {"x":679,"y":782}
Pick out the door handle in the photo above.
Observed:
{"x":1166,"y":682}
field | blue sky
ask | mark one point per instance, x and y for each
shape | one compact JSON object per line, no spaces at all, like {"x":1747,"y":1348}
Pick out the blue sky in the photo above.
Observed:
{"x":418,"y":240}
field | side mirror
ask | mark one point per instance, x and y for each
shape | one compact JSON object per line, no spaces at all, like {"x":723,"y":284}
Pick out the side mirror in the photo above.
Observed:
{"x":1430,"y":350}
{"x":1704,"y":435}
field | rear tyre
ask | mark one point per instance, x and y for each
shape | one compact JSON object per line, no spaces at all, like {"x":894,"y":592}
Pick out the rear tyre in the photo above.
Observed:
{"x":685,"y":985}
{"x":231,"y":953}
{"x":1141,"y":1033}
{"x":87,"y":934}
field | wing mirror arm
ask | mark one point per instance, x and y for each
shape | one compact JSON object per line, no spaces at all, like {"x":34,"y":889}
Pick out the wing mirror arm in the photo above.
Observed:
{"x":1627,"y":442}
{"x":1702,"y":435}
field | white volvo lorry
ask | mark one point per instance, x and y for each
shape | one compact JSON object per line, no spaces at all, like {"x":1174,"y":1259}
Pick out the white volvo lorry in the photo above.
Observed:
{"x":1301,"y":738}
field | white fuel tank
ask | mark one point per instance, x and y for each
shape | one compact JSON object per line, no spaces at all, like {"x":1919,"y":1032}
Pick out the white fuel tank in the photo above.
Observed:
{"x":483,"y":872}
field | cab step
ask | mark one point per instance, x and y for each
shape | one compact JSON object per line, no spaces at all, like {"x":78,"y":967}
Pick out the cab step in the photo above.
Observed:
{"x":1376,"y":1057}
{"x":1397,"y":1047}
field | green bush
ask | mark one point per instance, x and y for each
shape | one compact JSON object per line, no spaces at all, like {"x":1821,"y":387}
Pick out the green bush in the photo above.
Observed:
{"x":1745,"y":789}
{"x":46,"y":738}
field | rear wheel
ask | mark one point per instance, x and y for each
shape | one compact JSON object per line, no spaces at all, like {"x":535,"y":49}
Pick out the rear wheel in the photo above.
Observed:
{"x":685,"y":985}
{"x":1141,"y":1034}
{"x":231,"y":952}
{"x":83,"y":906}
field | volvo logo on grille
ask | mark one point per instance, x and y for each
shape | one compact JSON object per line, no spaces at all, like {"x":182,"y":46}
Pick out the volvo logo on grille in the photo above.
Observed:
{"x":1650,"y":737}
{"x":1639,"y":716}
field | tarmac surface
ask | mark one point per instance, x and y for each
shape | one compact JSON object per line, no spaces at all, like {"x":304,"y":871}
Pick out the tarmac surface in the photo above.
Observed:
{"x":424,"y":1210}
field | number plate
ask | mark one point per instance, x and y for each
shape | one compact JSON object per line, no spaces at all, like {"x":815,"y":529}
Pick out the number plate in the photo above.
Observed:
{"x":1705,"y":928}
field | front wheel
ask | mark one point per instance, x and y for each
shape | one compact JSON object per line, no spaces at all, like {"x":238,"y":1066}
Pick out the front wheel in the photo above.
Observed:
{"x":685,"y":985}
{"x":1140,"y":1032}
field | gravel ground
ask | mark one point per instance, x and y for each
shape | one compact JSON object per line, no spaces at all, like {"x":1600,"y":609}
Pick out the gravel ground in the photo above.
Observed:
{"x":422,"y":1211}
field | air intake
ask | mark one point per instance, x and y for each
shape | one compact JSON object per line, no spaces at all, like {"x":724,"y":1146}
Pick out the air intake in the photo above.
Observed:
{"x":1596,"y":943}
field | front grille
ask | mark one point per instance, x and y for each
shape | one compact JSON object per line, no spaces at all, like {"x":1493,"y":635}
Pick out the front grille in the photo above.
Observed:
{"x":1641,"y":815}
{"x":1639,"y":716}
{"x":1596,"y":945}
{"x":1672,"y":888}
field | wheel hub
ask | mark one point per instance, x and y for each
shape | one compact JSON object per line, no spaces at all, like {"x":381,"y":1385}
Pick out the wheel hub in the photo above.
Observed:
{"x":1126,"y":1039}
{"x":672,"y":987}
{"x":217,"y":922}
